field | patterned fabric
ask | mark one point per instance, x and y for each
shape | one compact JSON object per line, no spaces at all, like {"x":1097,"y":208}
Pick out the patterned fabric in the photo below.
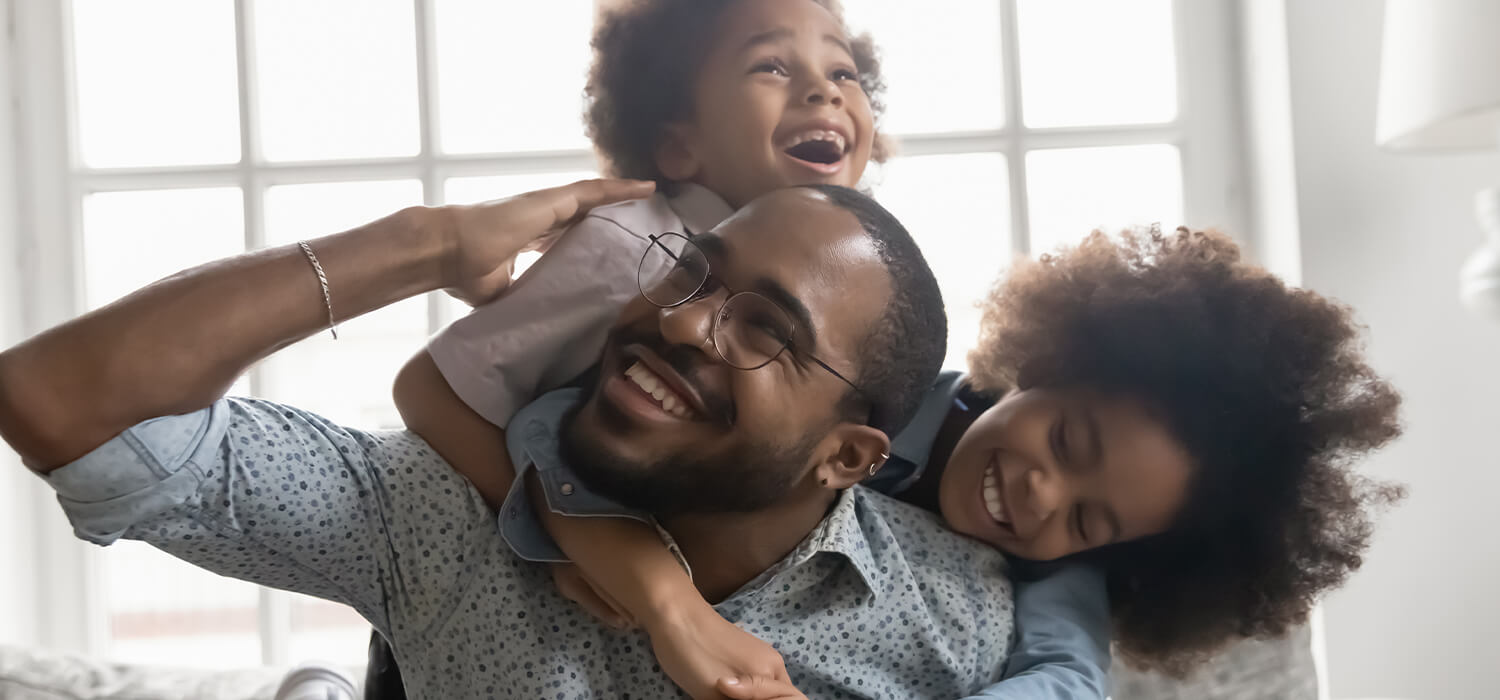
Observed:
{"x":880,"y":601}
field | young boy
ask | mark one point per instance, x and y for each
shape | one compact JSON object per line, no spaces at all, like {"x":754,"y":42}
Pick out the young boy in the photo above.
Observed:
{"x":718,"y":101}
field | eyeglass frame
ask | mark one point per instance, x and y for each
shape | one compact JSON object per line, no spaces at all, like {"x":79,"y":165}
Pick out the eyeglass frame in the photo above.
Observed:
{"x":713,"y":333}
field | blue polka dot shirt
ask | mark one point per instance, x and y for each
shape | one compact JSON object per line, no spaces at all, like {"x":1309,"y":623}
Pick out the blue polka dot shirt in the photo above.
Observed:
{"x":878,"y":602}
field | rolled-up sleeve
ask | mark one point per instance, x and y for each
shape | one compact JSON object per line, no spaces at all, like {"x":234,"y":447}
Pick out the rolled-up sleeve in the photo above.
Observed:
{"x":1062,"y":649}
{"x":277,"y":496}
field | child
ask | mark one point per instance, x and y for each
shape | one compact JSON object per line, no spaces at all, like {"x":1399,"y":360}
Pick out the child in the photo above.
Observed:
{"x":719,"y":101}
{"x":1147,"y":403}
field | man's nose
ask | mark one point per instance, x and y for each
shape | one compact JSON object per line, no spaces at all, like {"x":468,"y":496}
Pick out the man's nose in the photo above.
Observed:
{"x":692,"y":324}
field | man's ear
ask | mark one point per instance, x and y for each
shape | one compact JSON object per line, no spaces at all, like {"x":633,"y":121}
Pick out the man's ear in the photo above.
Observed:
{"x":855,"y":453}
{"x":675,"y":156}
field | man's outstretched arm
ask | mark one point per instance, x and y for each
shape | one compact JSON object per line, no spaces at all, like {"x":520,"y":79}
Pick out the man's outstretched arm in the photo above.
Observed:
{"x":177,"y":345}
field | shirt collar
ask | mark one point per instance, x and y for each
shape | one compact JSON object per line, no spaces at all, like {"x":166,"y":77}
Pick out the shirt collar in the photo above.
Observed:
{"x":698,"y":207}
{"x":914,"y":443}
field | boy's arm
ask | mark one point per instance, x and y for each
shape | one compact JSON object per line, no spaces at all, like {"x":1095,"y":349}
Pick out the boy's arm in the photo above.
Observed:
{"x":1063,"y":645}
{"x":472,"y":445}
{"x":629,"y":566}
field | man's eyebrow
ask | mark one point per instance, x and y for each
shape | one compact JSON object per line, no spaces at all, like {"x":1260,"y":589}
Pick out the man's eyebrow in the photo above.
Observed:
{"x":716,"y":249}
{"x":773,"y":290}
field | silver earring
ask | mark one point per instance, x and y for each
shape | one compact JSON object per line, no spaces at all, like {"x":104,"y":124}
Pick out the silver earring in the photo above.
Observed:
{"x":876,"y":465}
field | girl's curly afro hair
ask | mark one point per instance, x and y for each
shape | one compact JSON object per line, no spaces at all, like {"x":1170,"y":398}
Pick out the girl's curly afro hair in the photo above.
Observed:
{"x":1263,"y":384}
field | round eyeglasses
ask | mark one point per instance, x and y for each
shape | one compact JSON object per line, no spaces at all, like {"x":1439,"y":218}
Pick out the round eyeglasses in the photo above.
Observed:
{"x":749,"y":330}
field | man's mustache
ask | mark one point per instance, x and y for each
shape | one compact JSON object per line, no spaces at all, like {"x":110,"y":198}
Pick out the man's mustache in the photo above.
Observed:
{"x":688,"y":362}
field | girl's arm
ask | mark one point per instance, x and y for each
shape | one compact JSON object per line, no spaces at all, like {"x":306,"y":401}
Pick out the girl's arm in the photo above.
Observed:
{"x":1062,"y":645}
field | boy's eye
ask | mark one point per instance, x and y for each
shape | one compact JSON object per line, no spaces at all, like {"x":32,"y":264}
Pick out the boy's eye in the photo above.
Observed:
{"x":773,"y":67}
{"x":843,"y":74}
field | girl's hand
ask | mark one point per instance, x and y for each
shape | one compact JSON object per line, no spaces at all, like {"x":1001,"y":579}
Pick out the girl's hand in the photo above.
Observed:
{"x":576,"y":587}
{"x":759,"y":688}
{"x":697,"y":648}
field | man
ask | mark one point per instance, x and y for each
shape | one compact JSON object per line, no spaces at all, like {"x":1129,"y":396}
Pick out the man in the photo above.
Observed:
{"x":861,"y":595}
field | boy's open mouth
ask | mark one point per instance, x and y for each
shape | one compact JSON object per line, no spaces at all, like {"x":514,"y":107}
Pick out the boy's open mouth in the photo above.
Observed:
{"x":820,"y":147}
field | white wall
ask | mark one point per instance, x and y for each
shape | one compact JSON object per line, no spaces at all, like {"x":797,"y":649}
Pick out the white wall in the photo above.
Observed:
{"x":1387,"y":234}
{"x":19,"y":586}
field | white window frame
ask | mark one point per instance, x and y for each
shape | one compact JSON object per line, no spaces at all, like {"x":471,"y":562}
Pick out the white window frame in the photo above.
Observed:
{"x":51,"y":182}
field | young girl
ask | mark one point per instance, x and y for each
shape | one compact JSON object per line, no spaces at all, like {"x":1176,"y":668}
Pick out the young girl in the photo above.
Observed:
{"x":719,"y":101}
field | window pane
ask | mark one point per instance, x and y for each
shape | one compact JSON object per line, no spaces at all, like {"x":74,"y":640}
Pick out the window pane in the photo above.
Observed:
{"x":326,"y":631}
{"x":139,"y":102}
{"x":510,"y":76}
{"x":942,"y":65}
{"x":337,"y":78}
{"x":347,"y":380}
{"x":1072,"y":191}
{"x":467,"y":190}
{"x":957,"y":208}
{"x":1097,"y":62}
{"x":165,"y":611}
{"x":131,"y":239}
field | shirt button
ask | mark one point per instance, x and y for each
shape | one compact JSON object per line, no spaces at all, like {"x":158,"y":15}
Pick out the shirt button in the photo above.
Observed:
{"x":567,"y":489}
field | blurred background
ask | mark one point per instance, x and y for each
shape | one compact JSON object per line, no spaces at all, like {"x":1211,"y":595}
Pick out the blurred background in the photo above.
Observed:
{"x":144,"y":136}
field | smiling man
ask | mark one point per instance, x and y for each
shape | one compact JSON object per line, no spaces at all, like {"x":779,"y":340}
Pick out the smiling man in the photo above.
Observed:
{"x":743,"y":413}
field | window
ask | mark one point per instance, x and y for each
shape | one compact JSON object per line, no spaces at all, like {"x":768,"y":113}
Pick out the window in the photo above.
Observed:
{"x":163,"y":133}
{"x":1024,"y":124}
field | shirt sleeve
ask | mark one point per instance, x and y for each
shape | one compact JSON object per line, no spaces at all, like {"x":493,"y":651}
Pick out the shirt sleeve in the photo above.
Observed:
{"x":548,"y":327}
{"x":1063,"y":646}
{"x":280,"y":497}
{"x":533,"y":444}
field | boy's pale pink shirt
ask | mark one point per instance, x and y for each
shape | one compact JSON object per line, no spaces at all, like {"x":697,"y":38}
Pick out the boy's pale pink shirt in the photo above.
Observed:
{"x":550,"y":325}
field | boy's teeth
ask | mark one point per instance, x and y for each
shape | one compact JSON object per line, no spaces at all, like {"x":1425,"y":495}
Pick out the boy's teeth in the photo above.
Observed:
{"x":817,"y":135}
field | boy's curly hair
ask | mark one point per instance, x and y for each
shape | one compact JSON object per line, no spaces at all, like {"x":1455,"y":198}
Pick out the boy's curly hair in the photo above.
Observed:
{"x":1263,"y":384}
{"x":646,"y":59}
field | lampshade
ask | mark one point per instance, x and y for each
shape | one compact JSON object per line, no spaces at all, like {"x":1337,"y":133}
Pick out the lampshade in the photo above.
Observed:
{"x":1440,"y":75}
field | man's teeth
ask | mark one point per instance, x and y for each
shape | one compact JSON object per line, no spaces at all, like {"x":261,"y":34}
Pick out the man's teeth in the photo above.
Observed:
{"x":992,"y":501}
{"x":816,"y":135}
{"x":653,"y":385}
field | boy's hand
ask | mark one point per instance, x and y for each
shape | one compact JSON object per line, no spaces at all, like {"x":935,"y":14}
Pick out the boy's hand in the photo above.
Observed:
{"x":698,"y":648}
{"x":485,"y":238}
{"x":759,"y":688}
{"x":576,"y":587}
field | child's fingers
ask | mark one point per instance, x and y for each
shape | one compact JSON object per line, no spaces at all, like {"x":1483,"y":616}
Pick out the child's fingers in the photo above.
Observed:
{"x":759,"y":688}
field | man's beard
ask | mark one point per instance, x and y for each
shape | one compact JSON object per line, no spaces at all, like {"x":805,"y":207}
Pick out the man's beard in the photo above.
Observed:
{"x":748,"y":479}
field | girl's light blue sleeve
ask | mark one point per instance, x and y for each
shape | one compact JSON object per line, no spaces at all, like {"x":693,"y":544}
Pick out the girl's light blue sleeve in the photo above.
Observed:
{"x":1062,"y":650}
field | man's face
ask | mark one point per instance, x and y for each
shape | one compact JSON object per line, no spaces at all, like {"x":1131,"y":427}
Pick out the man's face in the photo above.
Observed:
{"x":747,"y":437}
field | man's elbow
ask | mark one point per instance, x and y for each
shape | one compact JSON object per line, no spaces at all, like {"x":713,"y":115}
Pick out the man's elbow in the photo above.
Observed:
{"x":28,"y":421}
{"x":36,"y":418}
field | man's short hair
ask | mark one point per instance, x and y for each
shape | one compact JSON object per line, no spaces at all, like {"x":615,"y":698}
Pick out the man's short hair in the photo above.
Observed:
{"x":902,"y":351}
